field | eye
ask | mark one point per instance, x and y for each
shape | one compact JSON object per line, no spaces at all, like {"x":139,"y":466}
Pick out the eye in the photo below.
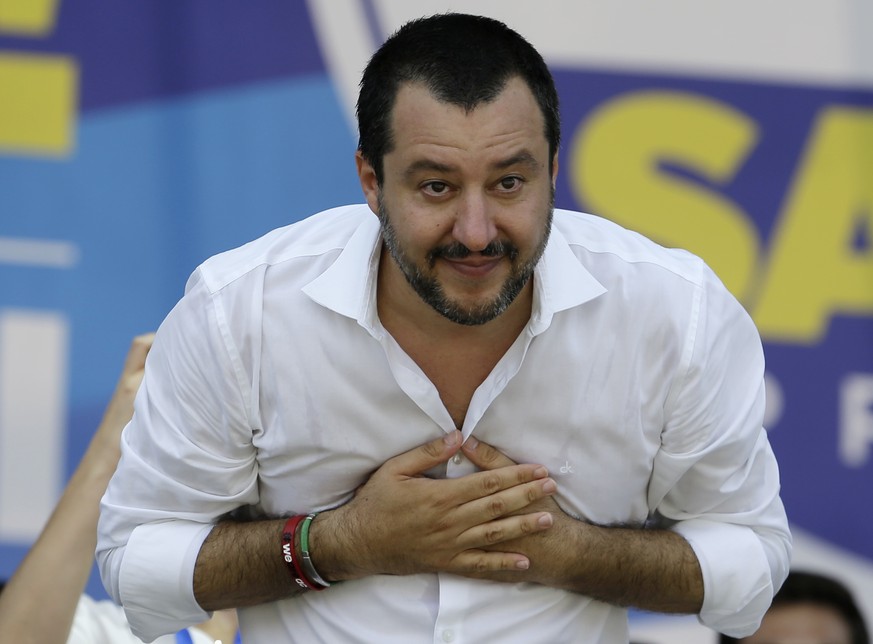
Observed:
{"x":435,"y":188}
{"x":510,"y":183}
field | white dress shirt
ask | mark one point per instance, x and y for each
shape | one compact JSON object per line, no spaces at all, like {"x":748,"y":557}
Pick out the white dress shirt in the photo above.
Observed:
{"x":638,"y":382}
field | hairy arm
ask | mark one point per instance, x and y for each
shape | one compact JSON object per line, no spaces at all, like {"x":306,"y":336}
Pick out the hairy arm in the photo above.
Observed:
{"x":399,"y":522}
{"x":650,"y":569}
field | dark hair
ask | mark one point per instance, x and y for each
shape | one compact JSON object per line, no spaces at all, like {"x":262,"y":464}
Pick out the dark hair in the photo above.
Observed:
{"x":463,"y":60}
{"x":825,"y":591}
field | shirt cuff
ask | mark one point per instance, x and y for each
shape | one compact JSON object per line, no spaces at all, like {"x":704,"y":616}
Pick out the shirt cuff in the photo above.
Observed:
{"x":737,"y":586}
{"x":156,"y":581}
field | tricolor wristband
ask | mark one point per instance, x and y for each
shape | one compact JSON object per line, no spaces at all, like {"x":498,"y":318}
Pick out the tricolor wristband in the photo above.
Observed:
{"x":290,"y":555}
{"x":307,"y":565}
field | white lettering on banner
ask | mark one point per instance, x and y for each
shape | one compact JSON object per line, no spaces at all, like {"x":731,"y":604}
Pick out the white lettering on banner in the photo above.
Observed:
{"x":33,"y":410}
{"x":856,"y":419}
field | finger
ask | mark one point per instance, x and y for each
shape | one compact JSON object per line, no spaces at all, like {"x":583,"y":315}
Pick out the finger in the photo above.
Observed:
{"x":422,"y":458}
{"x":532,"y":485}
{"x":511,"y":528}
{"x":484,"y":456}
{"x":474,"y":562}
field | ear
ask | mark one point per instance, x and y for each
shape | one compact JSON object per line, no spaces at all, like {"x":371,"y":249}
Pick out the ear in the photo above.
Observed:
{"x":555,"y":171}
{"x":369,"y":183}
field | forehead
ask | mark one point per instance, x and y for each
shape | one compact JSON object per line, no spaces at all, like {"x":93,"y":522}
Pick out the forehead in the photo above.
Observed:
{"x":420,"y":123}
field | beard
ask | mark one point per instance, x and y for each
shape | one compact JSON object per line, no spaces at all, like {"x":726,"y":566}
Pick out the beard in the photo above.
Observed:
{"x":425,"y":283}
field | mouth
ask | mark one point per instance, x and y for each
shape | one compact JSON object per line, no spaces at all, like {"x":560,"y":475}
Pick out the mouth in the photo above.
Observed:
{"x":474,"y":267}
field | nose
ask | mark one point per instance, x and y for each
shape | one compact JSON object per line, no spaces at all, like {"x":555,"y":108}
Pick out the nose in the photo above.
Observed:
{"x":474,"y":223}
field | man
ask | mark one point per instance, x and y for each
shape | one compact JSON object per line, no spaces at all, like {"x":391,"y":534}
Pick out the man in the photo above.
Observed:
{"x":509,"y":423}
{"x":810,"y":608}
{"x":43,"y":602}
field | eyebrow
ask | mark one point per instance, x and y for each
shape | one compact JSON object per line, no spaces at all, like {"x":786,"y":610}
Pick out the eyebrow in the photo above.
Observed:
{"x":521,"y":158}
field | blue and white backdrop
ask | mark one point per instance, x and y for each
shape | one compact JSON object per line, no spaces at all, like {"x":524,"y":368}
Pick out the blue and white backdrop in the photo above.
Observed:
{"x":138,"y":138}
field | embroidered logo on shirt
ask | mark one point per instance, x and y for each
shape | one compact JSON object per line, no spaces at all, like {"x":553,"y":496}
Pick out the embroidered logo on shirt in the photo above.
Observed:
{"x":566,"y":468}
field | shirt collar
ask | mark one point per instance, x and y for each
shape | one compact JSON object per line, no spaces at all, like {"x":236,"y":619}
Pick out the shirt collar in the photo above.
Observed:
{"x":561,"y":282}
{"x":348,"y":286}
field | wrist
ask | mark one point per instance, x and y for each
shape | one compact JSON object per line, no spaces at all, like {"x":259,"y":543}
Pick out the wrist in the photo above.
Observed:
{"x":295,"y":553}
{"x":333,"y":554}
{"x":307,"y":566}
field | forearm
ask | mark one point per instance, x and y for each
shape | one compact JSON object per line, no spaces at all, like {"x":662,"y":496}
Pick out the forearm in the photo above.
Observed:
{"x":396,"y":524}
{"x":653,"y":570}
{"x":240,"y":564}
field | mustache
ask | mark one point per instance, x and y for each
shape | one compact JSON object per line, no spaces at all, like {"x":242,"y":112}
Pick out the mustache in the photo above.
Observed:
{"x":456,"y":250}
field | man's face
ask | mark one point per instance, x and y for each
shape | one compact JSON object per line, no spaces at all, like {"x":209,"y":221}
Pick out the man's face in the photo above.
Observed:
{"x":801,"y":623}
{"x":466,"y":200}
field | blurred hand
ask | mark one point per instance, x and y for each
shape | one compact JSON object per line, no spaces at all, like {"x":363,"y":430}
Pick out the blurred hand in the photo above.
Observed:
{"x":120,"y":408}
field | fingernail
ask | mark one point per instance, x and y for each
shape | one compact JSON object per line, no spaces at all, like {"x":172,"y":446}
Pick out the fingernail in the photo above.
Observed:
{"x":452,"y":438}
{"x":545,"y":520}
{"x":524,"y":564}
{"x":471,"y":443}
{"x":541,"y":472}
{"x":549,"y":486}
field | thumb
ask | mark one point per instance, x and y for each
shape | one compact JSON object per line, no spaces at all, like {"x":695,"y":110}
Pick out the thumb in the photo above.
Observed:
{"x":485,"y":456}
{"x":422,"y":458}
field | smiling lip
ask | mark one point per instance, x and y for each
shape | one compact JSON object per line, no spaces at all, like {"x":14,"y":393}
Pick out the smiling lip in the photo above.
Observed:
{"x":474,"y":266}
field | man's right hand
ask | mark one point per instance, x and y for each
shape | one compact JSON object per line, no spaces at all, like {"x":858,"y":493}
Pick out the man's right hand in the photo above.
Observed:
{"x":401,"y":522}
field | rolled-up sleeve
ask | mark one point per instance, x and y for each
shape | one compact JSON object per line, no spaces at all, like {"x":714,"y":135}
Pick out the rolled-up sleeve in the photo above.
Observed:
{"x":186,"y":460}
{"x":155,"y":578}
{"x":715,"y":475}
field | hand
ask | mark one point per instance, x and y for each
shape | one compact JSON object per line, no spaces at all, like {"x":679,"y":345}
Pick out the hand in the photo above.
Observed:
{"x":120,"y":408}
{"x":655,"y":570}
{"x":543,"y":549}
{"x":400,"y":522}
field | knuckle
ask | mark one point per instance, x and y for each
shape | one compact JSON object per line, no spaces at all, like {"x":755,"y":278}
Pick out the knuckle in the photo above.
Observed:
{"x":532,"y":493}
{"x":487,"y":453}
{"x":480,"y":564}
{"x":491,"y":483}
{"x":497,"y":507}
{"x":493,"y":535}
{"x":432,"y":450}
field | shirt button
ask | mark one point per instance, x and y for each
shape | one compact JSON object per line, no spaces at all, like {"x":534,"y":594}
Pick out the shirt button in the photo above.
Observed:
{"x":456,"y":459}
{"x":448,"y":636}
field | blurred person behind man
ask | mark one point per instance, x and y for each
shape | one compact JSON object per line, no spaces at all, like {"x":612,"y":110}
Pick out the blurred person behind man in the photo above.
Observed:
{"x":810,"y":608}
{"x":44,"y":601}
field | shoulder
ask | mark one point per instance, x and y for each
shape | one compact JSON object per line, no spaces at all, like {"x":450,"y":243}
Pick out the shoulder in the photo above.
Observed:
{"x":605,"y":247}
{"x":324,"y":234}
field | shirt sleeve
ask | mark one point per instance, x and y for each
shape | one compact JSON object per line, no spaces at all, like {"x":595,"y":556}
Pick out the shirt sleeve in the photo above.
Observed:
{"x":186,"y":460}
{"x":715,"y":475}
